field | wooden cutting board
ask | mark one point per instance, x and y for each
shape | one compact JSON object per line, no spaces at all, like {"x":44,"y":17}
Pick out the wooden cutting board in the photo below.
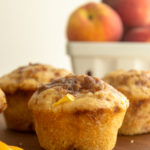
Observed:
{"x":29,"y":141}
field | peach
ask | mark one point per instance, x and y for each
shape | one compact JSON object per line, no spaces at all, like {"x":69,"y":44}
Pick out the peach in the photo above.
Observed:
{"x":134,"y":13}
{"x":140,"y":34}
{"x":94,"y":22}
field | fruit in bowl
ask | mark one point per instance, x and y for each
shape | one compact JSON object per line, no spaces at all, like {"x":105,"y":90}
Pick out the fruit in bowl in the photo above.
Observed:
{"x":94,"y":22}
{"x":134,"y":13}
{"x":139,"y":34}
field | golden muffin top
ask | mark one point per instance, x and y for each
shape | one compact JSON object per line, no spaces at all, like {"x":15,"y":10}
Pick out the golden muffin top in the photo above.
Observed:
{"x":30,"y":77}
{"x":134,"y":84}
{"x":3,"y":104}
{"x":90,"y":93}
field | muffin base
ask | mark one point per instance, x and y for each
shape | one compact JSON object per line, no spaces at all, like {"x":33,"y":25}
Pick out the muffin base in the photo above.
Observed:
{"x":80,"y":130}
{"x":17,"y":115}
{"x":137,"y":118}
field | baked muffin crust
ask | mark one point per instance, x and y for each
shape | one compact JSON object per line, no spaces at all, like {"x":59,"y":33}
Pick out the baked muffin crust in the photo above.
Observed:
{"x":75,"y":84}
{"x":83,"y":88}
{"x":135,"y":84}
{"x":29,"y":77}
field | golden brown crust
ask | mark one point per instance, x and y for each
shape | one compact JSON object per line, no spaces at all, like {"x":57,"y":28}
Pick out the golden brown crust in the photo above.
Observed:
{"x":30,"y":77}
{"x":3,"y":103}
{"x":105,"y":96}
{"x":75,"y":84}
{"x":135,"y":85}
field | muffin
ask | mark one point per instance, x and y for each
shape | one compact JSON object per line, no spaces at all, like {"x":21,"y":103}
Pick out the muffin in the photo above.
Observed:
{"x":77,"y":113}
{"x":19,"y":86}
{"x":135,"y":85}
{"x":3,"y":103}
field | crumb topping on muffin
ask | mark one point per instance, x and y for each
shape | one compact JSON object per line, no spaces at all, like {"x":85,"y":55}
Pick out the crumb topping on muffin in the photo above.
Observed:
{"x":3,"y":103}
{"x":75,"y":84}
{"x":90,"y":93}
{"x":134,"y":84}
{"x":30,"y":77}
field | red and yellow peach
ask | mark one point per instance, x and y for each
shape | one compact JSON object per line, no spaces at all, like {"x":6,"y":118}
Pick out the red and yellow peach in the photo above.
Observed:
{"x":140,"y":34}
{"x":94,"y":22}
{"x":134,"y":13}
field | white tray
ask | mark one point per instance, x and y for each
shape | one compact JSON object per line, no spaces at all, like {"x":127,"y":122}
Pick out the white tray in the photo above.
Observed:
{"x":100,"y":58}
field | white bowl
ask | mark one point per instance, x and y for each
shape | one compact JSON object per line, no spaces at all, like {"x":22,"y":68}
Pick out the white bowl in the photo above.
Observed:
{"x":97,"y":58}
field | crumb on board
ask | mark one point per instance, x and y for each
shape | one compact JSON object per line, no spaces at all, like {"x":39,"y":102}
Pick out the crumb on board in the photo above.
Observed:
{"x":20,"y":143}
{"x":131,"y":141}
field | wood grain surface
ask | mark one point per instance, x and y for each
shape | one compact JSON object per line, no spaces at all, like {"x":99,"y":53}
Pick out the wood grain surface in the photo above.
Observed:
{"x":29,"y":141}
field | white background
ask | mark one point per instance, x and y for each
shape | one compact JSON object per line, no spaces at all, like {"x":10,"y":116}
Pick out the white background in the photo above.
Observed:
{"x":34,"y":31}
